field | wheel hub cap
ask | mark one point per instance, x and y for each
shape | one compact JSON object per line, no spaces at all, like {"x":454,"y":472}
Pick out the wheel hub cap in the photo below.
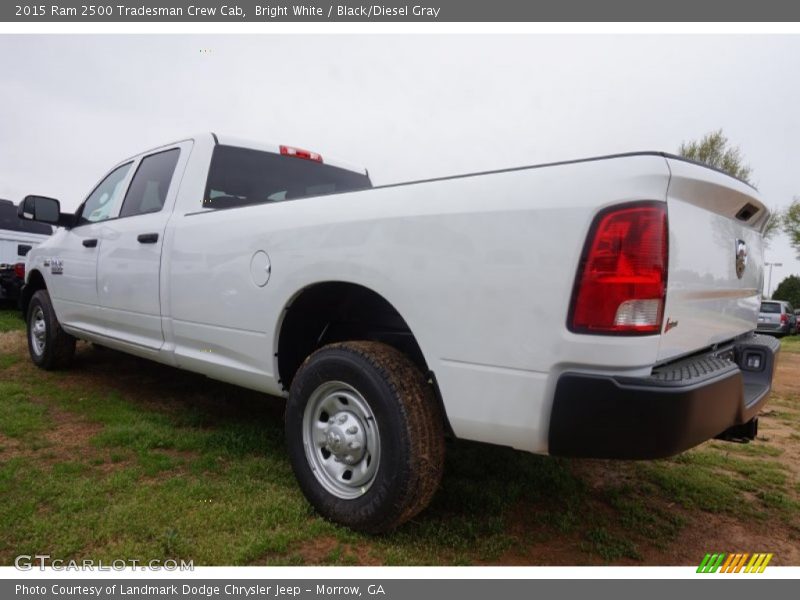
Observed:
{"x":341,"y":439}
{"x":38,"y":332}
{"x":344,"y":438}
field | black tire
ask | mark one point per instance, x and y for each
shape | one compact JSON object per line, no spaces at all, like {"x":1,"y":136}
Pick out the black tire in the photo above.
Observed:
{"x":59,"y":347}
{"x":410,"y":440}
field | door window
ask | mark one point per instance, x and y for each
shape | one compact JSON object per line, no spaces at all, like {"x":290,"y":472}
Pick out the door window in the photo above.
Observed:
{"x":103,"y":202}
{"x":148,"y":190}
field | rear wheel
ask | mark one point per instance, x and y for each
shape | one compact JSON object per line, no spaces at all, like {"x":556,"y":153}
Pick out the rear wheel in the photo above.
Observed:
{"x":365,"y":435}
{"x":49,"y":345}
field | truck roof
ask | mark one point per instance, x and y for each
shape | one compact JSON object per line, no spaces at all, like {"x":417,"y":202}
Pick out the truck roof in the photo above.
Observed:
{"x":9,"y":221}
{"x":228,"y":140}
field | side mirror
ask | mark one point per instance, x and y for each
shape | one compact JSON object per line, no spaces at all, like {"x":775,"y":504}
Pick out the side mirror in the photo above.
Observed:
{"x":40,"y":208}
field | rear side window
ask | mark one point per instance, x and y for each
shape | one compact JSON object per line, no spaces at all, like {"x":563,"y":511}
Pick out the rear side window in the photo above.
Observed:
{"x":240,"y":176}
{"x":770,"y":307}
{"x":148,"y":190}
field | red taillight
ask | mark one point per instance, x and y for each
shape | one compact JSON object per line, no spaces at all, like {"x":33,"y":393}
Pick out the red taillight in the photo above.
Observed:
{"x":300,"y":153}
{"x":622,"y":278}
{"x":784,"y":319}
{"x":19,"y":270}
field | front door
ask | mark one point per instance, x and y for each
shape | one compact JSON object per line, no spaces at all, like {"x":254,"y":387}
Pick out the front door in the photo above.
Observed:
{"x":72,"y":265}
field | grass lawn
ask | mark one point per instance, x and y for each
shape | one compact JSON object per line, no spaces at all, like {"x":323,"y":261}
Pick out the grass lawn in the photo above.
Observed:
{"x":122,"y":458}
{"x":10,"y":320}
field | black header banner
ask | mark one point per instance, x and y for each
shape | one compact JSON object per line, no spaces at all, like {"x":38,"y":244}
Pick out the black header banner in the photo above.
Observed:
{"x":198,"y":11}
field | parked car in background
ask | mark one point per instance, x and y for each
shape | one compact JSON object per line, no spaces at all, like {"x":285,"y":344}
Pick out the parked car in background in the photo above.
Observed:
{"x":777,"y":317}
{"x":17,"y":238}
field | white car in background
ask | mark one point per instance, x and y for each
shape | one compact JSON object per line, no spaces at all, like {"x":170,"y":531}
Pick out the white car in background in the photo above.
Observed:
{"x":17,"y":238}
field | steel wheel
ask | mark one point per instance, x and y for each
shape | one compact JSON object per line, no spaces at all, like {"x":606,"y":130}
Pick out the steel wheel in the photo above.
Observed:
{"x":38,"y":331}
{"x":341,"y":439}
{"x":365,"y":435}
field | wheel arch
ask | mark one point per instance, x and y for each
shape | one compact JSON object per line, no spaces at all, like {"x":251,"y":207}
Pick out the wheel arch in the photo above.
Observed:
{"x":337,"y":311}
{"x":354,"y":309}
{"x":35,"y":282}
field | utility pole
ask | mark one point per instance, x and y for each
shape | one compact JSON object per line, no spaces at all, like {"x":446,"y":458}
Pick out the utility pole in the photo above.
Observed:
{"x":769,"y":280}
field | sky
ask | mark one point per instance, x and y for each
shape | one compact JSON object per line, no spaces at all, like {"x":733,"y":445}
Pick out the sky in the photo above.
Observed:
{"x":405,"y":106}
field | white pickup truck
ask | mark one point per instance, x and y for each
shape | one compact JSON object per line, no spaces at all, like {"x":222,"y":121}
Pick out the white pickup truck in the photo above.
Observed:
{"x":591,"y":308}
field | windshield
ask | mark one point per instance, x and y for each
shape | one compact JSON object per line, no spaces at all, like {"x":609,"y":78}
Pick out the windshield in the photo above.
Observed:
{"x":240,"y":176}
{"x":770,"y":307}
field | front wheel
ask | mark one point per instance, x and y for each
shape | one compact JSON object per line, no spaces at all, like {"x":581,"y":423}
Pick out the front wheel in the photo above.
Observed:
{"x":365,"y":435}
{"x":50,"y":346}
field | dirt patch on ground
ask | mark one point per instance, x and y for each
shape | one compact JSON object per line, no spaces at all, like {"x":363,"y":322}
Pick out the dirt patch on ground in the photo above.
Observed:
{"x":533,"y":549}
{"x":10,"y":447}
{"x":324,"y":550}
{"x":69,"y":437}
{"x":318,"y":550}
{"x":13,"y":342}
{"x":71,"y":434}
{"x":787,"y":377}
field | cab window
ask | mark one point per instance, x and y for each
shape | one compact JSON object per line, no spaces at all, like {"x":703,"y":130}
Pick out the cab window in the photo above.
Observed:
{"x":148,"y":190}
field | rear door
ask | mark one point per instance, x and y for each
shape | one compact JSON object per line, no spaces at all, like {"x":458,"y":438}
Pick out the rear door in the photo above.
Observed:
{"x":715,"y":259}
{"x":128,"y":271}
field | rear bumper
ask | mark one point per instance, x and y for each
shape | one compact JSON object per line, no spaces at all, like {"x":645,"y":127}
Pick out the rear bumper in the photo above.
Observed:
{"x":676,"y":408}
{"x":782,"y":329}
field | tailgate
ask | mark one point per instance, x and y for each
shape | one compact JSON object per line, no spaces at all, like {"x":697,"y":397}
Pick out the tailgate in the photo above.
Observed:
{"x":715,"y":259}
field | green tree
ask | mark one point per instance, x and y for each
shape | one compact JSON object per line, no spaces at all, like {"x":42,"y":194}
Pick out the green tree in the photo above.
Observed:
{"x":791,"y":224}
{"x":774,"y":225}
{"x":715,"y":150}
{"x":789,"y":290}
